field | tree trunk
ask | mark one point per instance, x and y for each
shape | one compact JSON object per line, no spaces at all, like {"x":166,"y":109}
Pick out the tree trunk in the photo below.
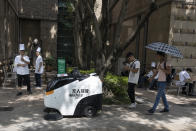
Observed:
{"x":78,"y":37}
{"x":106,"y":57}
{"x":118,"y":50}
{"x":103,"y":68}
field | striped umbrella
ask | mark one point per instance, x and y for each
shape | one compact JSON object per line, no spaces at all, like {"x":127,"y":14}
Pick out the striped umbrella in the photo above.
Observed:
{"x":167,"y":49}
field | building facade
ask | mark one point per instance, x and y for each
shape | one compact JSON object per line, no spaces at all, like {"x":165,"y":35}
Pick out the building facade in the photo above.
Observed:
{"x":173,"y":24}
{"x":182,"y":33}
{"x":24,"y":20}
{"x":8,"y":28}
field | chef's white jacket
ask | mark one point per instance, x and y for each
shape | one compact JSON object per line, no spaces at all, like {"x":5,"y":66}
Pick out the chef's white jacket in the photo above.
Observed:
{"x":19,"y":69}
{"x":37,"y":63}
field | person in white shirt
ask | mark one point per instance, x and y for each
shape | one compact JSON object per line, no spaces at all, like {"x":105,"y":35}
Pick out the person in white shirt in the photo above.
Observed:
{"x":153,"y":81}
{"x":184,"y":77}
{"x":21,"y":63}
{"x":134,"y":71}
{"x":147,"y":77}
{"x":38,"y":68}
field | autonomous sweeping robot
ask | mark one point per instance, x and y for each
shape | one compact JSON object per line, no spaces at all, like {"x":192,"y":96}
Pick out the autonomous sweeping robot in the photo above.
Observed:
{"x":73,"y":95}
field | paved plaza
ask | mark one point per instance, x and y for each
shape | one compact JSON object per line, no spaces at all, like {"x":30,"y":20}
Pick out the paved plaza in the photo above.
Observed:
{"x":28,"y":114}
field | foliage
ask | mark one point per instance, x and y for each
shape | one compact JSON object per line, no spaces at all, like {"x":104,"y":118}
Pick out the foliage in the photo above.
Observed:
{"x":50,"y":61}
{"x":117,"y":84}
{"x":69,"y":69}
{"x":97,"y":35}
{"x":68,"y":5}
{"x":92,"y":70}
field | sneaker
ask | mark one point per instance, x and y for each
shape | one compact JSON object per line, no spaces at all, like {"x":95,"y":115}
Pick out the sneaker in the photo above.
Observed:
{"x":38,"y":87}
{"x":151,"y":111}
{"x":19,"y":94}
{"x":133,"y":105}
{"x":164,"y":110}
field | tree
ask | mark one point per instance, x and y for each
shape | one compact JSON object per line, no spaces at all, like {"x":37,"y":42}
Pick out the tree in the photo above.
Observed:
{"x":83,"y":35}
{"x":105,"y":56}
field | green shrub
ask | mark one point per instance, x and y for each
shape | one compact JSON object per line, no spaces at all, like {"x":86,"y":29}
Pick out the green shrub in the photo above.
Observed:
{"x":69,"y":69}
{"x":117,"y":84}
{"x":50,"y":61}
{"x":87,"y":71}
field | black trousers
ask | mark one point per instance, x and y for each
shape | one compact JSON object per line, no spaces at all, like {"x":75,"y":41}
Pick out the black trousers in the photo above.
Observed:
{"x":26,"y":79}
{"x":131,"y":92}
{"x":191,"y":86}
{"x":38,"y":80}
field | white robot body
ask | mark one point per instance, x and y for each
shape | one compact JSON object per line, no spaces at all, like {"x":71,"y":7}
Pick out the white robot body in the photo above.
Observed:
{"x":70,"y":96}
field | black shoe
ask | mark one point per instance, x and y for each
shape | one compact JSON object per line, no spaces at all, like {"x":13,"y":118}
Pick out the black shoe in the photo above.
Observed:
{"x":19,"y":94}
{"x":29,"y":92}
{"x":164,"y":110}
{"x":151,"y":111}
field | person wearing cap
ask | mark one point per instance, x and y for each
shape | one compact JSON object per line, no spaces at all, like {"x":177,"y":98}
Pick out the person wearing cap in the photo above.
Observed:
{"x":38,"y":68}
{"x":153,"y":80}
{"x":21,"y":63}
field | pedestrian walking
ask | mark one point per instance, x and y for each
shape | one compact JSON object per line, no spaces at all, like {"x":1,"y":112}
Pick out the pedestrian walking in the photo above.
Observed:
{"x":21,"y":63}
{"x":38,"y":68}
{"x":134,"y":70}
{"x":163,"y":68}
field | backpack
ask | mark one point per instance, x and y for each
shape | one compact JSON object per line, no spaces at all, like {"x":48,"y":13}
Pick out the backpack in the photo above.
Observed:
{"x":168,"y":76}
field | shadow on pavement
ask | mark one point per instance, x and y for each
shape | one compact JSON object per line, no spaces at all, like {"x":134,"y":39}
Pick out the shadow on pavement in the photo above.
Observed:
{"x":28,"y":115}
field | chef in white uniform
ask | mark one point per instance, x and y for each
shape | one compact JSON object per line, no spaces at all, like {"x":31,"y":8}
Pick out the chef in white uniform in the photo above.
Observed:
{"x":38,"y":68}
{"x":21,"y":63}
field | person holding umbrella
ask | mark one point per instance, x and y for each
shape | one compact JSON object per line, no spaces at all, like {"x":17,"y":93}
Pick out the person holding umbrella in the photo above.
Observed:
{"x":163,"y":68}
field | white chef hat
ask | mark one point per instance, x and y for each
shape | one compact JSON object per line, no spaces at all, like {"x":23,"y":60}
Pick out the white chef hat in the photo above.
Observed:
{"x":35,"y":41}
{"x":21,"y":47}
{"x":153,"y":64}
{"x":38,"y":49}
